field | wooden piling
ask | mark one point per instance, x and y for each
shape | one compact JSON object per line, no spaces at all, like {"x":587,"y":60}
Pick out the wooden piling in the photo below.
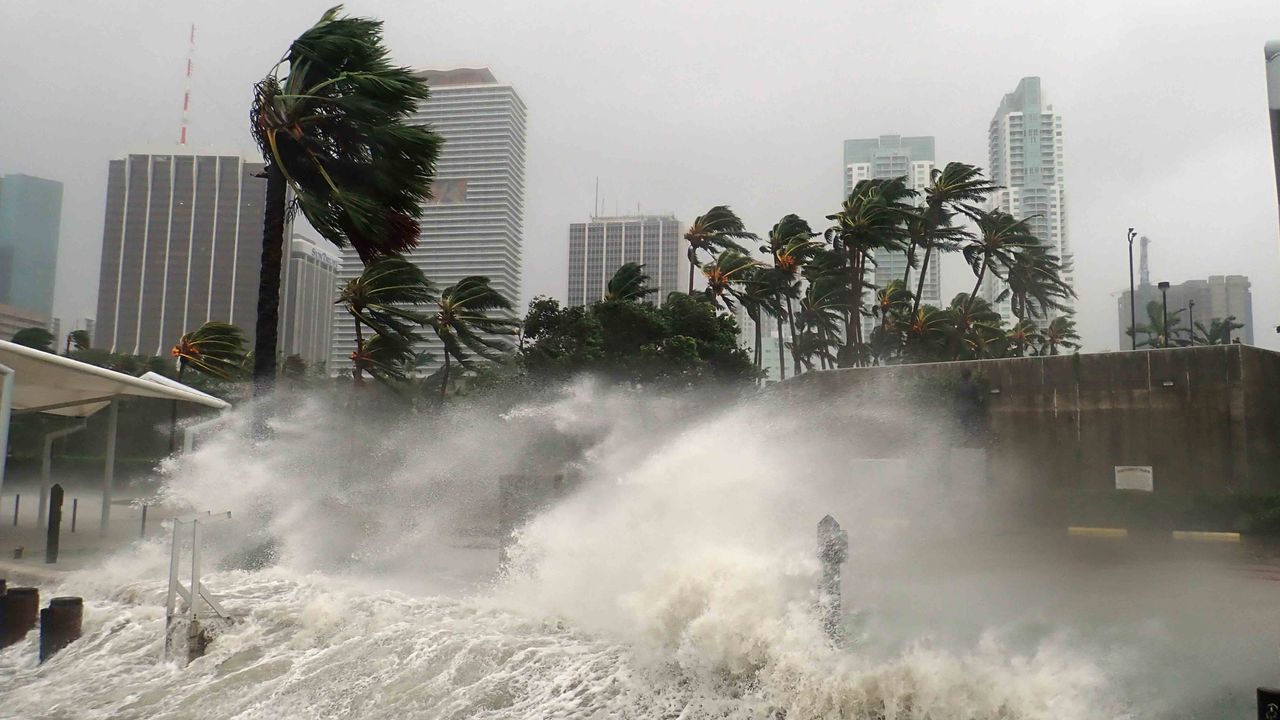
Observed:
{"x":19,"y":608}
{"x":60,"y":625}
{"x":55,"y":525}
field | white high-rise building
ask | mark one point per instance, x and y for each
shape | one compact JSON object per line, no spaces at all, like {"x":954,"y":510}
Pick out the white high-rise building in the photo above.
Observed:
{"x":1025,"y":146}
{"x":474,"y":223}
{"x":886,"y":157}
{"x":306,"y":305}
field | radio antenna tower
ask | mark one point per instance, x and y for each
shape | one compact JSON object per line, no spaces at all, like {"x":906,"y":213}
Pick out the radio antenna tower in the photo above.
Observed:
{"x":186,"y":94}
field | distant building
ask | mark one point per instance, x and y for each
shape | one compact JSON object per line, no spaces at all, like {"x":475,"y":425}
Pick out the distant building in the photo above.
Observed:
{"x":61,"y":328}
{"x":30,"y":219}
{"x":307,"y":301}
{"x":13,"y":319}
{"x":891,"y":156}
{"x":1218,"y":297}
{"x":474,"y":224}
{"x":1272,"y":53}
{"x":1026,"y":160}
{"x":599,"y":247}
{"x":181,"y":245}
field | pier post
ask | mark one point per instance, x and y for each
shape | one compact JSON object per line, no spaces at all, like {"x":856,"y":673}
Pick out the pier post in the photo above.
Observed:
{"x":60,"y":625}
{"x":55,"y":524}
{"x":833,"y":550}
{"x":18,"y":610}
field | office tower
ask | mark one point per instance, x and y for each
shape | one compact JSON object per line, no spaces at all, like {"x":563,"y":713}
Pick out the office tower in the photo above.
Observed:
{"x":181,"y":245}
{"x":1218,"y":297}
{"x":474,"y":223}
{"x":1025,"y":146}
{"x":30,"y":217}
{"x":306,"y":305}
{"x":1271,"y":52}
{"x":891,"y":156}
{"x":599,"y":247}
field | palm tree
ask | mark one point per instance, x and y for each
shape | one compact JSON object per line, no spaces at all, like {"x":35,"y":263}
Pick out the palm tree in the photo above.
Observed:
{"x":975,"y":328}
{"x":820,"y":313}
{"x":1061,"y":331}
{"x":215,"y":349}
{"x":1033,"y":285}
{"x":1024,"y":336}
{"x":956,"y":188}
{"x":757,"y":298}
{"x":729,"y":267}
{"x":714,"y":232}
{"x":1154,"y":329}
{"x":1218,"y":332}
{"x":1002,"y":236}
{"x":461,"y":317}
{"x":873,"y":217}
{"x":79,"y":339}
{"x":892,"y":306}
{"x":34,"y":337}
{"x":926,"y":334}
{"x":628,"y":284}
{"x":791,"y":245}
{"x":334,"y":132}
{"x":384,"y":298}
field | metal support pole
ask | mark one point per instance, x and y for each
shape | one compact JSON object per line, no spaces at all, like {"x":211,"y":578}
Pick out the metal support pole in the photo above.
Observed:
{"x":46,"y":469}
{"x":1191,"y":320}
{"x":1164,"y":323}
{"x":6,"y":409}
{"x":17,"y":498}
{"x":172,"y":598}
{"x":75,"y":508}
{"x":1133,"y":298}
{"x":109,"y":471}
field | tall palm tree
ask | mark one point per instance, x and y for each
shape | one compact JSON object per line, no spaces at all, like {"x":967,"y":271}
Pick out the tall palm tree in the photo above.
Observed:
{"x":729,"y":268}
{"x":628,"y":284}
{"x":334,"y":132}
{"x":1061,"y":332}
{"x":384,"y":298}
{"x":976,"y":329}
{"x":873,"y":217}
{"x":1024,"y":336}
{"x":215,"y":349}
{"x":1001,"y":237}
{"x":1154,"y":329}
{"x":891,"y":308}
{"x":714,"y":232}
{"x":791,"y":245}
{"x":926,"y":334}
{"x":821,"y":311}
{"x":1034,"y":285}
{"x":462,"y":320}
{"x":757,"y":297}
{"x":78,"y":339}
{"x":955,"y":189}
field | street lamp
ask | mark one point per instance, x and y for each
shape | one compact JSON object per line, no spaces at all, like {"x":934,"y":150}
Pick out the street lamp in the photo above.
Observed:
{"x":1133,"y":313}
{"x":1191,"y":320}
{"x":1164,"y":302}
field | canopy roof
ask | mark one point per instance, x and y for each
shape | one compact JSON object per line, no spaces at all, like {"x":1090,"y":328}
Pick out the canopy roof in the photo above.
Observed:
{"x":49,"y":383}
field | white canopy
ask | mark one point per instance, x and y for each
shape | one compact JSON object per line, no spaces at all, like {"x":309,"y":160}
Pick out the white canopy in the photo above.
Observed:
{"x":49,"y":383}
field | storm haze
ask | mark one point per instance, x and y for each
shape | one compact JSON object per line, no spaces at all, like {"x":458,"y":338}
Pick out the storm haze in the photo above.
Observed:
{"x":679,"y":106}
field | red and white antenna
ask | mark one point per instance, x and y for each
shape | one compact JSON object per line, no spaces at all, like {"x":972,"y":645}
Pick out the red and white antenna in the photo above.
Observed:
{"x":186,"y":94}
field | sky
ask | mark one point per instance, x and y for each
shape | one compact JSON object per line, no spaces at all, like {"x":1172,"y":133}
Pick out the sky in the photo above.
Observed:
{"x":678,"y":106}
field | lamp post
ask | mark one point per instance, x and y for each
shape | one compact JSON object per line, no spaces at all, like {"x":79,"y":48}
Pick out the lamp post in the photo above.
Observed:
{"x":1133,"y":313}
{"x":1164,"y":302}
{"x":1191,"y":320}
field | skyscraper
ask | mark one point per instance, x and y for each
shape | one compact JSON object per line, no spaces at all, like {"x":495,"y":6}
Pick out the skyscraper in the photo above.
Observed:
{"x":599,"y":247}
{"x":1025,"y":146}
{"x":891,"y":156}
{"x":30,"y":218}
{"x":306,"y":303}
{"x":181,"y":245}
{"x":475,"y":222}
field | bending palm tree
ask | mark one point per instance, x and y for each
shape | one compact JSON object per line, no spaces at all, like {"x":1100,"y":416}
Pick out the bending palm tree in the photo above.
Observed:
{"x":823,"y":307}
{"x":715,"y":232}
{"x":628,"y":284}
{"x":334,"y":132}
{"x":462,"y":316}
{"x":791,"y":246}
{"x":383,"y":298}
{"x":78,"y":339}
{"x":1034,"y":286}
{"x":1024,"y":336}
{"x":730,"y":267}
{"x":1002,"y":236}
{"x":1061,"y":332}
{"x":1218,"y":332}
{"x":957,"y":188}
{"x":215,"y":349}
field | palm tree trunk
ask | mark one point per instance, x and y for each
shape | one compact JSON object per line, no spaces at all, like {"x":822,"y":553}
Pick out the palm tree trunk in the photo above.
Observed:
{"x":444,"y":380}
{"x":691,"y":256}
{"x":264,"y":344}
{"x":924,"y":268}
{"x":911,"y":258}
{"x":782,"y":356}
{"x":759,"y":356}
{"x":357,"y":373}
{"x":791,"y":328}
{"x":982,"y":271}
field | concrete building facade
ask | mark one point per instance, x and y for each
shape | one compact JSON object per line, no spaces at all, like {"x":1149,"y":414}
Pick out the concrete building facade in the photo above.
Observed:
{"x":474,"y":225}
{"x":1026,"y":159}
{"x":1219,"y":296}
{"x":306,"y":304}
{"x":30,"y":222}
{"x":181,"y":245}
{"x":13,"y":319}
{"x":599,"y":247}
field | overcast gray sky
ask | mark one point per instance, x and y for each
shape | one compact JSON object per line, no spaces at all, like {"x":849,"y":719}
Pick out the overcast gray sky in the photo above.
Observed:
{"x":678,"y":106}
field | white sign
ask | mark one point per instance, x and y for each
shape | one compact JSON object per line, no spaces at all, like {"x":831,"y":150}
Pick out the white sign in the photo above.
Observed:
{"x":1135,"y":477}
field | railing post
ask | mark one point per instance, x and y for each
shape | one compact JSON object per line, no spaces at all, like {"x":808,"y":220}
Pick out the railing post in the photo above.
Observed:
{"x":833,"y":550}
{"x":55,"y":525}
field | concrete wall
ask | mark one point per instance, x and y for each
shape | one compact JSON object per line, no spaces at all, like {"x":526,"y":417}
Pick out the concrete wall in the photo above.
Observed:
{"x":1207,"y":419}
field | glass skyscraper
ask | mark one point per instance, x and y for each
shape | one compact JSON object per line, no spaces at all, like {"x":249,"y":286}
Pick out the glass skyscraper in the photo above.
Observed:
{"x":30,"y":218}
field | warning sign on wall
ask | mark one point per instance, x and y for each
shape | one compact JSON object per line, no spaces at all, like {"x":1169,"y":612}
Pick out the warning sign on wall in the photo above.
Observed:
{"x":1135,"y":477}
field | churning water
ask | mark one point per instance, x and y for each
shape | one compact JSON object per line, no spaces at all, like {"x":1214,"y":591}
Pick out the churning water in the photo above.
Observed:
{"x":675,"y":581}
